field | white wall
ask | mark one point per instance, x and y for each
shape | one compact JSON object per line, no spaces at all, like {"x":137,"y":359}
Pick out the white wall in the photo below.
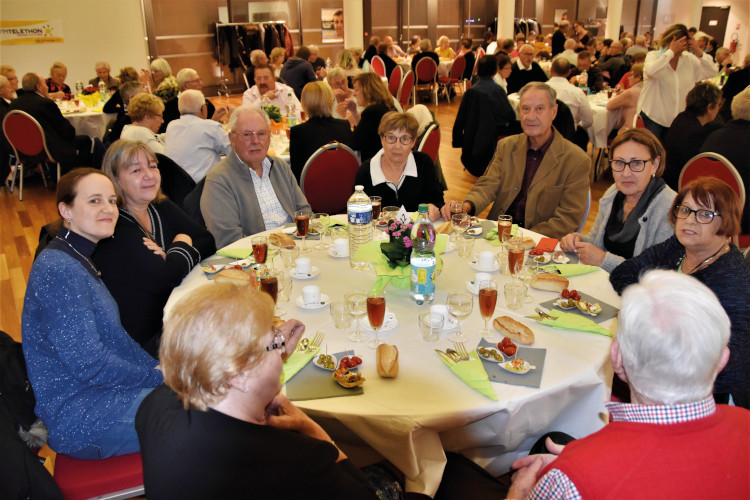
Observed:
{"x":98,"y":30}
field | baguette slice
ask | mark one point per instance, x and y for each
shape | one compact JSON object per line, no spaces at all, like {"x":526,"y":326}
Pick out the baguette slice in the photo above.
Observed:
{"x":445,"y":228}
{"x":281,"y":240}
{"x":276,"y":322}
{"x":517,"y":332}
{"x":234,"y":276}
{"x":549,"y":281}
{"x":386,"y":359}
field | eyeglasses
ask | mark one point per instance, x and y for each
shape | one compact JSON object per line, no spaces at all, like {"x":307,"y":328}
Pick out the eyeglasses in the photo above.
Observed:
{"x":702,"y":215}
{"x":404,"y":139}
{"x":157,"y":115}
{"x":635,"y":165}
{"x":279,"y":342}
{"x":261,"y":135}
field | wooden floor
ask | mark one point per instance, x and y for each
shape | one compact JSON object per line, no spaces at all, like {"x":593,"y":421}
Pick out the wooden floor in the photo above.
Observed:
{"x":21,"y":221}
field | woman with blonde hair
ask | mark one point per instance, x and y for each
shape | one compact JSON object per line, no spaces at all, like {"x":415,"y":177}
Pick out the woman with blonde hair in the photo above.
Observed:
{"x":627,"y":100}
{"x":345,"y":61}
{"x":160,"y":80}
{"x":319,"y":129}
{"x":56,"y":85}
{"x":146,"y":112}
{"x":276,"y":60}
{"x":444,"y":49}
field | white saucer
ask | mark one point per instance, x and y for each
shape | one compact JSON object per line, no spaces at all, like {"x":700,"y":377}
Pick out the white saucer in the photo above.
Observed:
{"x":475,"y":266}
{"x":314,"y":271}
{"x":471,"y":287}
{"x":474,"y":231}
{"x":324,"y":301}
{"x":245,"y":263}
{"x":290,"y":230}
{"x":389,"y":323}
{"x":335,"y":255}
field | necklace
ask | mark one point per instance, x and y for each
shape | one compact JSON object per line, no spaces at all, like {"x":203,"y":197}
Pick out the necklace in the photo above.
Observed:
{"x":706,"y":261}
{"x":96,"y":271}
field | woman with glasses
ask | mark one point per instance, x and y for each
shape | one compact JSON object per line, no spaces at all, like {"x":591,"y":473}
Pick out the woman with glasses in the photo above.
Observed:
{"x":633,"y":211}
{"x":220,"y":427}
{"x":146,"y":112}
{"x":706,"y":215}
{"x":397,"y":174}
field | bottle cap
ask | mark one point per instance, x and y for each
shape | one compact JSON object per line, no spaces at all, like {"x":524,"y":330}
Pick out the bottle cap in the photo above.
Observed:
{"x":423,"y":207}
{"x":359,"y":188}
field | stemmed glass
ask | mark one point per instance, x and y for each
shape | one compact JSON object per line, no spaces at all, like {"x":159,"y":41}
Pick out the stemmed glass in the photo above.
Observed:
{"x":356,"y":303}
{"x":284,"y":289}
{"x":320,"y":224}
{"x":302,"y":219}
{"x":487,"y":301}
{"x":460,"y":305}
{"x":455,"y":207}
{"x":525,"y":274}
{"x":460,"y":222}
{"x":516,"y":253}
{"x":376,"y":314}
{"x":270,"y":284}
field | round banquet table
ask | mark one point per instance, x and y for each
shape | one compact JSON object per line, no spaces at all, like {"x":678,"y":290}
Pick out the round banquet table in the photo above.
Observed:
{"x":411,"y":419}
{"x":90,"y":123}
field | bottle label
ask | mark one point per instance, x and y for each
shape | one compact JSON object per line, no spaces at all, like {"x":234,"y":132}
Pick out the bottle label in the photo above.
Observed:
{"x":360,"y":214}
{"x":423,"y":275}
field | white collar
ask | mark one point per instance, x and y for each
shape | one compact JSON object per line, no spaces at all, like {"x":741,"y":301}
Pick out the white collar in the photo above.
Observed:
{"x":376,"y":172}
{"x":520,"y":66}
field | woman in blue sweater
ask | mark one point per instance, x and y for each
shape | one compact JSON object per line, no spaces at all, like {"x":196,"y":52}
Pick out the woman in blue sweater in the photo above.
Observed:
{"x":89,"y":376}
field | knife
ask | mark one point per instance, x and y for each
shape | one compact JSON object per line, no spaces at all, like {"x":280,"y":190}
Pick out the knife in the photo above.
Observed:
{"x":446,"y":358}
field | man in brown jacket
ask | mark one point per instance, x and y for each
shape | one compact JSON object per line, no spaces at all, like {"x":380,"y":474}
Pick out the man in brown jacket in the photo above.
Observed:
{"x":538,"y":177}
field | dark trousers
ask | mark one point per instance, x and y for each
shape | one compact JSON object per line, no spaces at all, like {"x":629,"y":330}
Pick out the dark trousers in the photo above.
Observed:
{"x":658,"y":130}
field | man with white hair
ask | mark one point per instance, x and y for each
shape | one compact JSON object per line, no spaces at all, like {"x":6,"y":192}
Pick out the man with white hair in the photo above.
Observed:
{"x":639,"y":46}
{"x":193,"y":142}
{"x":277,"y":93}
{"x":525,"y":70}
{"x":249,"y":191}
{"x":673,"y":440}
{"x":257,"y":57}
{"x":569,"y":53}
{"x":103,"y":74}
{"x":576,"y":100}
{"x":10,"y":73}
{"x":394,"y":50}
{"x":189,"y":79}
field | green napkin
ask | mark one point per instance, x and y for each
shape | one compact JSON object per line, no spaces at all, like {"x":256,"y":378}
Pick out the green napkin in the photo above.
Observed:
{"x":492,"y":238}
{"x":295,"y":363}
{"x":570,"y":269}
{"x":571,"y":321}
{"x":473,"y":374}
{"x":235,"y":253}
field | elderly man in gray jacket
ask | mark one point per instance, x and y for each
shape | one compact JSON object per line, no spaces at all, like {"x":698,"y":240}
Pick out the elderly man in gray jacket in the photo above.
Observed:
{"x":249,"y":191}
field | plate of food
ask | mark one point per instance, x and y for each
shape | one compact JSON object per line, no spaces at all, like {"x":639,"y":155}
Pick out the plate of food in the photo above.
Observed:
{"x":474,"y":231}
{"x":211,"y":269}
{"x":243,"y":263}
{"x":577,"y":302}
{"x":519,"y":366}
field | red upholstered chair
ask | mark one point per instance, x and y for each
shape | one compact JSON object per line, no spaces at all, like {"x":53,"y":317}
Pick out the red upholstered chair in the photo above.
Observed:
{"x":378,"y":66}
{"x":456,"y":76}
{"x":430,"y":143}
{"x":328,"y":178}
{"x":394,"y":82}
{"x":26,"y":137}
{"x":426,"y":71}
{"x":112,"y":478}
{"x":404,"y":90}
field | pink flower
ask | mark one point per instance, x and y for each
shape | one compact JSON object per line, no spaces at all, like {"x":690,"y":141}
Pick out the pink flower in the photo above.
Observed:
{"x":407,"y":242}
{"x":393,"y":225}
{"x":397,"y":234}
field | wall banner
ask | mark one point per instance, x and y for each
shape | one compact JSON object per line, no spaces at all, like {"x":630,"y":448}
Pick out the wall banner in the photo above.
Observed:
{"x":31,"y":32}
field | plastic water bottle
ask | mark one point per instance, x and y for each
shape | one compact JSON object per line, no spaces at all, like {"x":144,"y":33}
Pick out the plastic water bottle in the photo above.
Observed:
{"x":79,"y":87}
{"x":583,"y":79}
{"x":423,"y":258}
{"x":291,"y":111}
{"x":102,"y":88}
{"x":359,"y":211}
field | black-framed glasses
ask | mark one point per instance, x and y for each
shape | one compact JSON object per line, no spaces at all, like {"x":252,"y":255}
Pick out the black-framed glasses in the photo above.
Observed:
{"x":404,"y":139}
{"x":635,"y":165}
{"x":279,"y":342}
{"x":702,"y":215}
{"x":261,"y":135}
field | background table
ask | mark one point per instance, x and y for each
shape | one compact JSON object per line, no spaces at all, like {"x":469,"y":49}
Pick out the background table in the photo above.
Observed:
{"x":411,"y":419}
{"x":90,"y":123}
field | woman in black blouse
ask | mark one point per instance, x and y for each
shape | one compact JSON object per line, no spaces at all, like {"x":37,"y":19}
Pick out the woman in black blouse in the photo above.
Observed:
{"x":154,"y":247}
{"x":398,"y":175}
{"x":371,"y":93}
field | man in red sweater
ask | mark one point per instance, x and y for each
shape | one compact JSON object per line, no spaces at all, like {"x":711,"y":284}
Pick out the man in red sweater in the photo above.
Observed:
{"x":673,"y":441}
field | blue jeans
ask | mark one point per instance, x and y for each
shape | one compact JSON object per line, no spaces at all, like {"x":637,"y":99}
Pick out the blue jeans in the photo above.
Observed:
{"x":120,"y":439}
{"x":658,"y":130}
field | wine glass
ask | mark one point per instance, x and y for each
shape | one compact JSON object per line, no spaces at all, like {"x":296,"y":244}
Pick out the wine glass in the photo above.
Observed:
{"x":302,"y":219}
{"x":455,"y":207}
{"x":320,"y":224}
{"x":460,"y":222}
{"x":284,"y":290}
{"x":269,"y":283}
{"x":376,"y":314}
{"x":516,"y":253}
{"x":487,"y":302}
{"x":356,"y":302}
{"x":260,"y":248}
{"x":525,"y":274}
{"x":459,"y":305}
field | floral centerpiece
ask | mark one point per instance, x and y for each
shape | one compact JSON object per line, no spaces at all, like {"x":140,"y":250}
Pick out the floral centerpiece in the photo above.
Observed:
{"x":90,"y":90}
{"x":273,"y":112}
{"x":398,"y":249}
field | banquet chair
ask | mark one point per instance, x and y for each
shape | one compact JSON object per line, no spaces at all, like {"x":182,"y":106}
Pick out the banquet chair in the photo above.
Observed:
{"x":455,"y":77}
{"x":328,"y":176}
{"x":29,"y":144}
{"x":378,"y":66}
{"x":394,"y":82}
{"x":112,"y":478}
{"x":430,"y":143}
{"x":175,"y":182}
{"x":426,"y":73}
{"x":404,"y":90}
{"x":585,"y":213}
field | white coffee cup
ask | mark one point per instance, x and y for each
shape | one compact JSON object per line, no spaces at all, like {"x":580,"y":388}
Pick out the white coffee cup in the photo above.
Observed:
{"x":311,"y":294}
{"x":486,"y":260}
{"x":302,"y":265}
{"x":478,"y":278}
{"x":340,"y":246}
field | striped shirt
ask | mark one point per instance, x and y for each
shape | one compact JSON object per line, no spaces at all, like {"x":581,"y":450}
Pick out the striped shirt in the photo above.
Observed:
{"x":271,"y":210}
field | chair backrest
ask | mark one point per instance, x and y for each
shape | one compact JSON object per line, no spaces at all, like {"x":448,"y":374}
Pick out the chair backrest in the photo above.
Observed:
{"x":638,"y":122}
{"x":115,"y":477}
{"x":192,"y":203}
{"x":328,"y":178}
{"x":404,"y":91}
{"x":712,"y":165}
{"x":426,"y":70}
{"x":459,"y":65}
{"x":394,"y":82}
{"x":175,"y":182}
{"x":480,"y":53}
{"x":430,"y":143}
{"x":378,"y":66}
{"x":25,"y":135}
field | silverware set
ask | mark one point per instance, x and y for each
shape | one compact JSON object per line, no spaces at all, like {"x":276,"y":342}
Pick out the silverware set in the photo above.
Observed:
{"x":307,"y":345}
{"x":456,"y":355}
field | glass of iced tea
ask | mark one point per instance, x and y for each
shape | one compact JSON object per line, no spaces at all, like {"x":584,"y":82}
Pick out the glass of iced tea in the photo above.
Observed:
{"x":516,"y":253}
{"x":504,"y":227}
{"x":260,"y":249}
{"x":377,"y":204}
{"x":487,"y":301}
{"x":270,"y":284}
{"x":376,"y":314}
{"x":302,"y":219}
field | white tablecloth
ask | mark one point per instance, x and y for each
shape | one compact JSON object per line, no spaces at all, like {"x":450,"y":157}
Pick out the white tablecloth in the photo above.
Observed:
{"x":411,"y":419}
{"x":90,"y":123}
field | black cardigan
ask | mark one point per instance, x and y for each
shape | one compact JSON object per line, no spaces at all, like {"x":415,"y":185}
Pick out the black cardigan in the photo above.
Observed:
{"x":306,"y":138}
{"x":518,"y":78}
{"x":141,"y":281}
{"x":366,"y":137}
{"x":425,"y":188}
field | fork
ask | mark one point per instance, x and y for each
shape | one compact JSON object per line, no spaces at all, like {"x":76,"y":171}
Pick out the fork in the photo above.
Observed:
{"x":317,"y":340}
{"x":463,"y":355}
{"x":543,"y":314}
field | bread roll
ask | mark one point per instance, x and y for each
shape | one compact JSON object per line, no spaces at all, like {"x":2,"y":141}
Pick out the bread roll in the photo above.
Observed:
{"x":445,"y":228}
{"x":515,"y":331}
{"x":386,"y":359}
{"x":234,"y":276}
{"x":549,"y":281}
{"x":528,"y":243}
{"x":281,"y":240}
{"x":277,"y":322}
